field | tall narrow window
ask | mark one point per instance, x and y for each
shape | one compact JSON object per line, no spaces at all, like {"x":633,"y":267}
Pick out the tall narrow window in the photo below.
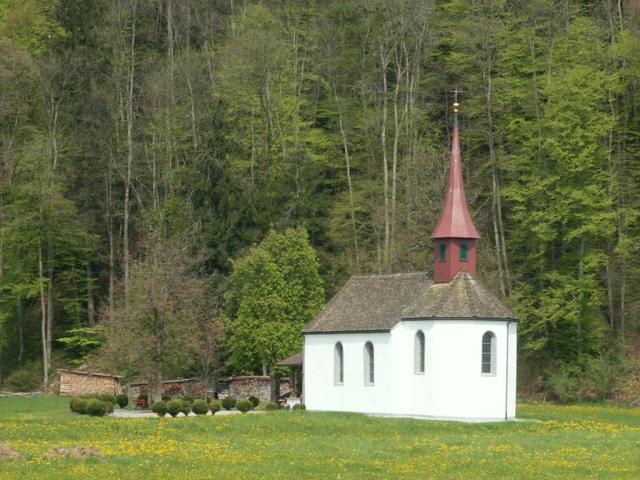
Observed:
{"x":418,"y":353}
{"x":464,"y":253}
{"x":368,"y":364}
{"x":442,"y":252}
{"x":488,"y":354}
{"x":338,"y":364}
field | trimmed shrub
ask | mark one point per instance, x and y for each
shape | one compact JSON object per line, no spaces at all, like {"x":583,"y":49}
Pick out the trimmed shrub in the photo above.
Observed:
{"x":174,"y":407}
{"x":106,"y":397}
{"x":255,"y":401}
{"x":79,"y":405}
{"x":215,"y":406}
{"x":200,"y":407}
{"x":159,"y":408}
{"x":186,"y":407}
{"x":228,"y":402}
{"x":122,"y":401}
{"x":187,"y":398}
{"x":74,"y":404}
{"x":166,"y":398}
{"x":271,"y":406}
{"x":96,"y":408}
{"x":244,"y":405}
{"x":299,"y":406}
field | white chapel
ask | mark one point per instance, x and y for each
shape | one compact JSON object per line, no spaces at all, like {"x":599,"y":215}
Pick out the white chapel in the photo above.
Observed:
{"x":409,"y":345}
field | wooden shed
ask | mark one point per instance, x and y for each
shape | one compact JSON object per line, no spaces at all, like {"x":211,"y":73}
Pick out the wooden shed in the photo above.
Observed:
{"x":77,"y":382}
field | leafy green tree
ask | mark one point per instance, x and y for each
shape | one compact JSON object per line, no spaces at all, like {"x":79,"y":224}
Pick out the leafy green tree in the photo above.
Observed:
{"x":273,"y":292}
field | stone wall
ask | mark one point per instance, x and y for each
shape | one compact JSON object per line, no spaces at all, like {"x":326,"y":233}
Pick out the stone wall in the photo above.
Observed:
{"x":239,"y":387}
{"x":80,"y":383}
{"x":247,"y":386}
{"x":172,"y":388}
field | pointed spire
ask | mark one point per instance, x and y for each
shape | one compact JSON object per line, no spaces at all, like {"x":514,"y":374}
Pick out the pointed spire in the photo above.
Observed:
{"x":455,"y":219}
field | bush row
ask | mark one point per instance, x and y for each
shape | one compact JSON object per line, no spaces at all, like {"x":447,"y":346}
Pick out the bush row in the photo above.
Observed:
{"x":201,"y":407}
{"x":97,"y":405}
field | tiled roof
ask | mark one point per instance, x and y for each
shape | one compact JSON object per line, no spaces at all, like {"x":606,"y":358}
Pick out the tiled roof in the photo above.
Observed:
{"x":378,"y":302}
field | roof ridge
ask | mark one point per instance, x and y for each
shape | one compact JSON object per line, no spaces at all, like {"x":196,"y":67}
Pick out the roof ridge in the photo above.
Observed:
{"x":380,"y":275}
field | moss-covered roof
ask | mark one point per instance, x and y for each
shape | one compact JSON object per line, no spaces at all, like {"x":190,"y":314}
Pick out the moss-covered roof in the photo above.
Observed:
{"x":378,"y":302}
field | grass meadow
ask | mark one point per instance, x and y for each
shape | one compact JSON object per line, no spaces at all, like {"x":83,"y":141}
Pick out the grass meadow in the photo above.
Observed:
{"x":583,"y":441}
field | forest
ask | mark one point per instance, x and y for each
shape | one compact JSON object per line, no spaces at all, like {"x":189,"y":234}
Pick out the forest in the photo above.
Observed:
{"x":161,"y":157}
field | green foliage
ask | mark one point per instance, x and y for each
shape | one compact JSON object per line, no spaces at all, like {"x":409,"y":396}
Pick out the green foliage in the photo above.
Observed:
{"x":563,"y":383}
{"x":270,"y":406}
{"x":254,"y":400}
{"x":122,"y":400}
{"x":78,"y":405}
{"x":160,"y":408}
{"x":105,"y":397}
{"x":30,"y":24}
{"x":244,"y":405}
{"x":215,"y":406}
{"x":229,"y":402}
{"x":174,"y":407}
{"x":186,"y":407}
{"x":96,"y":408}
{"x":299,"y":406}
{"x":273,"y":292}
{"x":200,"y":407}
{"x":82,"y":341}
{"x":25,"y":379}
{"x":187,"y":398}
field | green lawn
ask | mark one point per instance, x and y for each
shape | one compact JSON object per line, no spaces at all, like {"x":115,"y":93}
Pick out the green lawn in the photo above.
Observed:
{"x":585,"y":441}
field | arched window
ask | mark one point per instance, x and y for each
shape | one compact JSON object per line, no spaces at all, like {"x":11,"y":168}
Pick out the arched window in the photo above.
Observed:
{"x":418,"y":353}
{"x":488,"y":354}
{"x":368,"y":364}
{"x":338,"y":364}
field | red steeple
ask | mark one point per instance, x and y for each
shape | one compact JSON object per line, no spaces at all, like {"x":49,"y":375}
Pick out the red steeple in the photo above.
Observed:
{"x":455,"y":234}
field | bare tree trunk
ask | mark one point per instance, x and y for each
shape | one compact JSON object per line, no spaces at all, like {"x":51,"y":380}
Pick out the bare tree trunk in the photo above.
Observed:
{"x":394,"y":161}
{"x":109,"y":218}
{"x":43,"y":322}
{"x":194,"y":131}
{"x":91,"y":320}
{"x":345,"y":146}
{"x":609,"y":274}
{"x":623,"y":286}
{"x":384,"y":61}
{"x":580,"y":277}
{"x":20,"y":325}
{"x":127,"y":183}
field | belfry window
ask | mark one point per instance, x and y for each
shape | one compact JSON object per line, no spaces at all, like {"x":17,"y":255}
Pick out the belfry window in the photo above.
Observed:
{"x":464,"y":252}
{"x":368,"y":364}
{"x":442,"y":252}
{"x":489,"y":354}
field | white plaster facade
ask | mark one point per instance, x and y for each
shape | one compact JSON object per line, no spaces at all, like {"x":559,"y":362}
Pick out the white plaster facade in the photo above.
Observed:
{"x":452,"y":385}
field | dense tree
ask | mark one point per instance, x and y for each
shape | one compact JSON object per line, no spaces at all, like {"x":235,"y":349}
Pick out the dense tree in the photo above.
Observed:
{"x":273,"y":292}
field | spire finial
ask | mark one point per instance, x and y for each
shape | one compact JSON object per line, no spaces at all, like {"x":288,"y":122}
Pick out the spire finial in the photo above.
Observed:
{"x":455,"y":106}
